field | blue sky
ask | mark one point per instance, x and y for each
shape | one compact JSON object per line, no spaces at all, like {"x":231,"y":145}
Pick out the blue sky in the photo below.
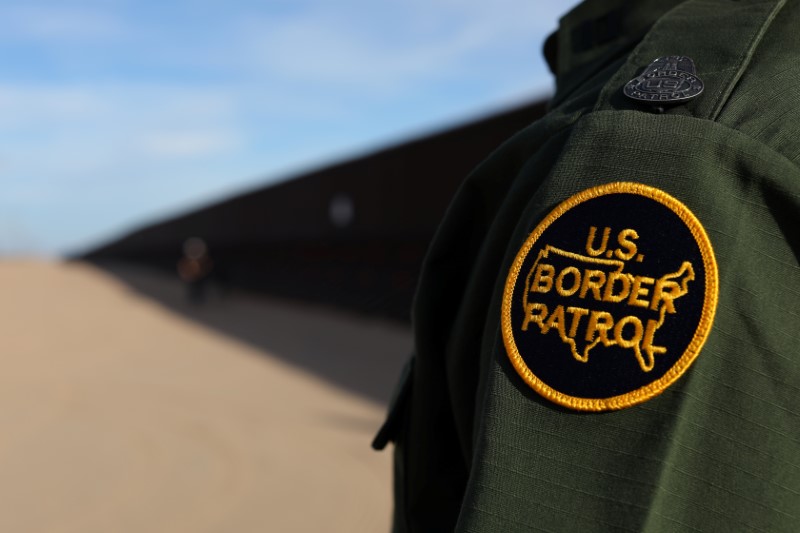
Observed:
{"x":115,"y":113}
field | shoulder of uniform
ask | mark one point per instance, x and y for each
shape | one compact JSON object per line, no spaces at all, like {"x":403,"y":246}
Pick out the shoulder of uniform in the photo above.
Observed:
{"x":763,"y":104}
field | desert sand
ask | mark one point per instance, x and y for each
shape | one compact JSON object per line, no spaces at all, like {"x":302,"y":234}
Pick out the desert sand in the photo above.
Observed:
{"x":124,"y":408}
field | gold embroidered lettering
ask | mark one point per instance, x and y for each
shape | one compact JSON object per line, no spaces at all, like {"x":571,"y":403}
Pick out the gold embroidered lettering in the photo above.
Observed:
{"x":665,"y":291}
{"x":625,"y":239}
{"x":594,"y":252}
{"x":536,"y":319}
{"x":577,"y":313}
{"x":593,"y":280}
{"x":638,"y":331}
{"x":556,"y":320}
{"x":576,"y":275}
{"x":543,"y":279}
{"x":625,"y":281}
{"x":599,"y":322}
{"x":612,"y":286}
{"x":637,"y":290}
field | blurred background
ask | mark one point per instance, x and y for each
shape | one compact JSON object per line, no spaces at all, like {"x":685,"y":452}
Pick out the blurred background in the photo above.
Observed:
{"x":212,"y":218}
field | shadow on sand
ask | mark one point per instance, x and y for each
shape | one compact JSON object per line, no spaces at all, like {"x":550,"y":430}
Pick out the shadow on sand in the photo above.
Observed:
{"x":361,"y":355}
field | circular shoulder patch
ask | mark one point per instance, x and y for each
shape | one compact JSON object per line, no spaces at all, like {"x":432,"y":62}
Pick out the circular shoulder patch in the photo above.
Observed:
{"x":610,"y":298}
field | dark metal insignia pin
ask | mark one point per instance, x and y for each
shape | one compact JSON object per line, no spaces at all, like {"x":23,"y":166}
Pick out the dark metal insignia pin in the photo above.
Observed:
{"x":667,"y":80}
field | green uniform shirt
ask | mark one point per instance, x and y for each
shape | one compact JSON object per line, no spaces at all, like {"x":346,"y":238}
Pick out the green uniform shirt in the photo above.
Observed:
{"x":477,"y":449}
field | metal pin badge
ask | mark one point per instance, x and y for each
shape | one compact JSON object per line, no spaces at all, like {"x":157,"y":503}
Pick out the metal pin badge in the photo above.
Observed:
{"x":667,"y":80}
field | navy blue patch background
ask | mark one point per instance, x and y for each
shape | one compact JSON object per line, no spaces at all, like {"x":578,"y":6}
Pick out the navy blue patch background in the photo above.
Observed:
{"x":666,"y":242}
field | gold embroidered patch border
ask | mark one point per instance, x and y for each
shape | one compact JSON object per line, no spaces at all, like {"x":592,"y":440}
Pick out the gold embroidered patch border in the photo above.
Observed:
{"x":542,"y":278}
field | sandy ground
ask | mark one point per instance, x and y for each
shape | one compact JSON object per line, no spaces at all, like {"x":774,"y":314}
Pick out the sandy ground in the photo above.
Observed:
{"x":121,"y":412}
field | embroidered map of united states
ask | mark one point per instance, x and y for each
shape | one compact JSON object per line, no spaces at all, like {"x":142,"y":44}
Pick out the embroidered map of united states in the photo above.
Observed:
{"x":588,"y":301}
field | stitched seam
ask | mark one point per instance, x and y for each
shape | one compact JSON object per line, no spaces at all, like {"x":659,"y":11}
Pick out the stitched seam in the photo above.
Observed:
{"x":744,"y":59}
{"x":737,"y":132}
